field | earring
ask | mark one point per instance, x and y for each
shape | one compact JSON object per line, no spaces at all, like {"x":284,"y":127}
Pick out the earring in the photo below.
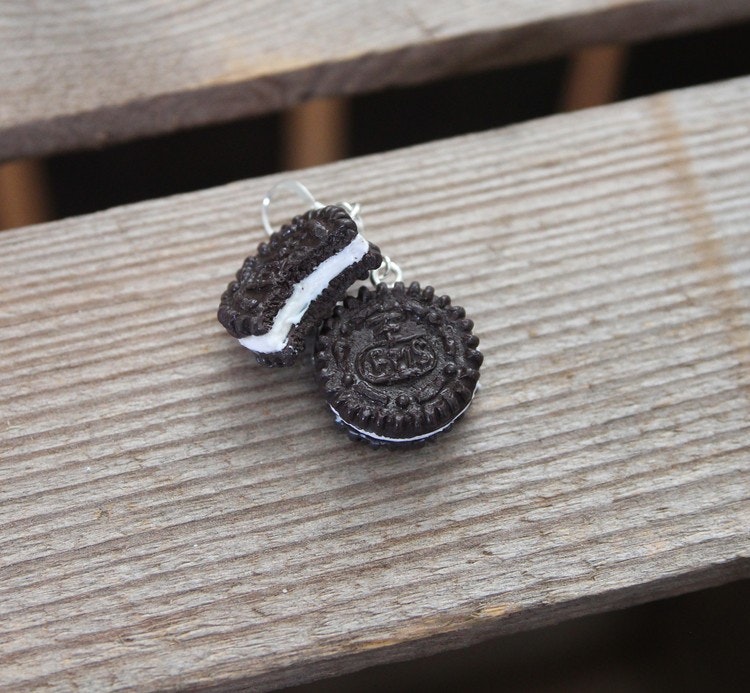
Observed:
{"x":398,"y":365}
{"x":283,"y":293}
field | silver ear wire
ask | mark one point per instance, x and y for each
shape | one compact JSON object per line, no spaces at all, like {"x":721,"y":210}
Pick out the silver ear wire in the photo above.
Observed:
{"x":292,"y":186}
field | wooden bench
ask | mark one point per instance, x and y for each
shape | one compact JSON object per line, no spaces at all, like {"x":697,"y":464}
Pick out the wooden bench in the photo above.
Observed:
{"x":174,"y":516}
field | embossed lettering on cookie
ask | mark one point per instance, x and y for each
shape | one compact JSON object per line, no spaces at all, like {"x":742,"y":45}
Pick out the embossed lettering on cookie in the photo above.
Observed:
{"x":281,"y":294}
{"x":399,"y":366}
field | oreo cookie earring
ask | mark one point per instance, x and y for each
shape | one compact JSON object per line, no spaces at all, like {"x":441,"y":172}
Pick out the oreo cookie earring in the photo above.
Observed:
{"x":398,"y":365}
{"x":282,"y":293}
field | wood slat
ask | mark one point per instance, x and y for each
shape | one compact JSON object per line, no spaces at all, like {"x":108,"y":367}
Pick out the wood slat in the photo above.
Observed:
{"x":173,"y":515}
{"x":24,"y":193}
{"x":81,"y":74}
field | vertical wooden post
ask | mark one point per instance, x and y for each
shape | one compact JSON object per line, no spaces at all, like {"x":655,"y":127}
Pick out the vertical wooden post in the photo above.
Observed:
{"x":594,"y":76}
{"x":24,"y":193}
{"x":315,"y":132}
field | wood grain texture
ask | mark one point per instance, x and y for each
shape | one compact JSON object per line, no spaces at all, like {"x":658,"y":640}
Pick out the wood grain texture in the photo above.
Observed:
{"x":81,"y":73}
{"x":172,"y":515}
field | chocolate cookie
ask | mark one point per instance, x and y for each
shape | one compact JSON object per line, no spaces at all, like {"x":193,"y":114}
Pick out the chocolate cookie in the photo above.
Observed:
{"x":398,"y":365}
{"x":297,"y":277}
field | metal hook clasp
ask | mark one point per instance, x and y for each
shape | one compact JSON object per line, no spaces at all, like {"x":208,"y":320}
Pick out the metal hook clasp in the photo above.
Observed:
{"x":388,"y":266}
{"x":294,"y":186}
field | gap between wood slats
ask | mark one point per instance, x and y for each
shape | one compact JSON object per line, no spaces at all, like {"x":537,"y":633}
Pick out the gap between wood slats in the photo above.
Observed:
{"x":144,"y":72}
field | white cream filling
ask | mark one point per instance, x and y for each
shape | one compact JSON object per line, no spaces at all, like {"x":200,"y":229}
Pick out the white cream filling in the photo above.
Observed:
{"x":368,"y":434}
{"x":304,"y":293}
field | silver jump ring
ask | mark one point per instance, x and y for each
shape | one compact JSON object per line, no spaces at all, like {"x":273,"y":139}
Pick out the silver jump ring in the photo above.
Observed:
{"x":292,"y":186}
{"x":387,"y":267}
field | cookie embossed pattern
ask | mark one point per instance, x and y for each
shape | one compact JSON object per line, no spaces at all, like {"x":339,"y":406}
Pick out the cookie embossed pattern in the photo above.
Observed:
{"x":398,"y":365}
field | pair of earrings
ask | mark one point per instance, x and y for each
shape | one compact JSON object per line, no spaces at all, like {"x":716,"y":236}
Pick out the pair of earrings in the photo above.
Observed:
{"x":398,"y":364}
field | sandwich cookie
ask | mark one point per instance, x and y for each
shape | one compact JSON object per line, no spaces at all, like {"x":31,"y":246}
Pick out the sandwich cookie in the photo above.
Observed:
{"x":292,"y":284}
{"x":398,"y":365}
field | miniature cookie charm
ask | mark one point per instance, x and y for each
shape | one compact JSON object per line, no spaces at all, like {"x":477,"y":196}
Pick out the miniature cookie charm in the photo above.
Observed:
{"x":399,"y":366}
{"x":281,"y":294}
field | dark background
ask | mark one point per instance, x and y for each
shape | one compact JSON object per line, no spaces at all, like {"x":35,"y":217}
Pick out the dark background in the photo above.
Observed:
{"x":88,"y":181}
{"x":697,"y":642}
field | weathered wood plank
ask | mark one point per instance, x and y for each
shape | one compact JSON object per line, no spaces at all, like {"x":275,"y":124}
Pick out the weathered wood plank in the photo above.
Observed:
{"x":86,"y":74}
{"x":173,"y":515}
